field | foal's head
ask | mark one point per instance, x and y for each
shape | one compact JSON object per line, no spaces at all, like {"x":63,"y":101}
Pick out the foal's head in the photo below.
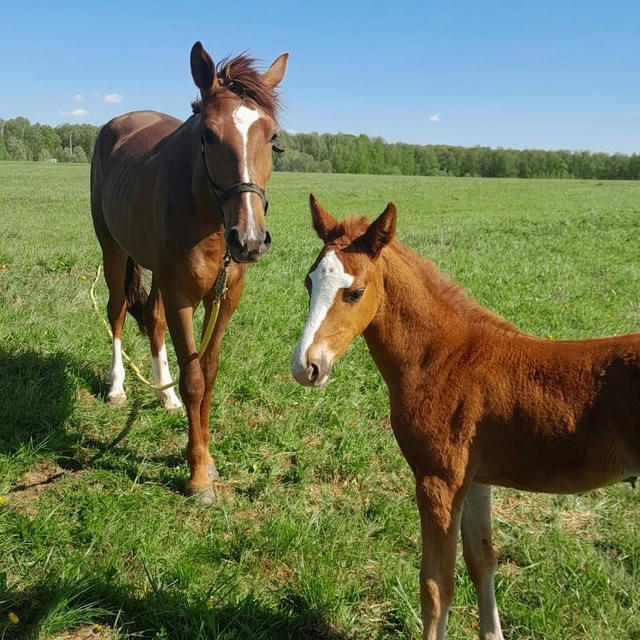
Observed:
{"x":345,"y":288}
{"x":239,"y":126}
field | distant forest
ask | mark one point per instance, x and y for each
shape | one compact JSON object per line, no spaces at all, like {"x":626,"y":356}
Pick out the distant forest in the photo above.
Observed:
{"x":343,"y":153}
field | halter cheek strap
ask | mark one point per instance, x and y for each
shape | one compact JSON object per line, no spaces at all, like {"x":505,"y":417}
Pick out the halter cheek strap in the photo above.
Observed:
{"x":221,"y":195}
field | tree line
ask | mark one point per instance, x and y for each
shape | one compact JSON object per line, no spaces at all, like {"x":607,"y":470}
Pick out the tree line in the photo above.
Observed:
{"x":343,"y":153}
{"x":21,"y":140}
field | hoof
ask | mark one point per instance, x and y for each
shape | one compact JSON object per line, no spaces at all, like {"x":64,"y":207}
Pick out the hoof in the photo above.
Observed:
{"x":169,"y":401}
{"x":213,"y":472}
{"x":116,"y":399}
{"x":205,"y":495}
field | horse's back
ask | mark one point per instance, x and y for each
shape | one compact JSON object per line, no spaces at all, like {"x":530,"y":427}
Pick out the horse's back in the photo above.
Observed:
{"x":124,"y":172}
{"x":132,"y":134}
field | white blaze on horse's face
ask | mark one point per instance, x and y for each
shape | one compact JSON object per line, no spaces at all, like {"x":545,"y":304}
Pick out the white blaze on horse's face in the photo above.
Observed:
{"x":326,"y":280}
{"x":243,"y":118}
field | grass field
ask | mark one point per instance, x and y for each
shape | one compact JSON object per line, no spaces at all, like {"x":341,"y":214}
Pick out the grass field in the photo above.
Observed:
{"x":315,"y":534}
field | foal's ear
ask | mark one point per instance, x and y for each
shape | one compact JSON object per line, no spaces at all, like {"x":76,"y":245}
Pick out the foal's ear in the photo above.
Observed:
{"x":272,"y":77}
{"x":325,"y":225}
{"x":203,"y":69}
{"x":380,"y":231}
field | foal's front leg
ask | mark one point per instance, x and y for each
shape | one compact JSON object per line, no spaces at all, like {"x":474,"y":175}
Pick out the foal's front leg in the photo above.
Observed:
{"x":440,"y":512}
{"x":480,"y":557}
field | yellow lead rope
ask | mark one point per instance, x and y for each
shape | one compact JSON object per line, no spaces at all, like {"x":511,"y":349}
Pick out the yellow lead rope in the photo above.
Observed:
{"x":220,"y":289}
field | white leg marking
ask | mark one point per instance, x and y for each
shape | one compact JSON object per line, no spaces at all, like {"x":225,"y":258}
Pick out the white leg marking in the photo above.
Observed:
{"x":116,"y":393}
{"x":167,"y":397}
{"x":243,"y":117}
{"x":326,"y":280}
{"x":476,"y":536}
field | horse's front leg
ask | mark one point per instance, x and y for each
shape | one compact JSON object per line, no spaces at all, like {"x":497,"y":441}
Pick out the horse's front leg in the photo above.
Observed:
{"x":211,"y":356}
{"x":440,"y":510}
{"x":179,"y":314}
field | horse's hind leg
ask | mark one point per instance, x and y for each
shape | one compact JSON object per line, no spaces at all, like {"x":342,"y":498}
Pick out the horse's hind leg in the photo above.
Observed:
{"x":156,"y":324}
{"x":480,"y":557}
{"x":115,"y":263}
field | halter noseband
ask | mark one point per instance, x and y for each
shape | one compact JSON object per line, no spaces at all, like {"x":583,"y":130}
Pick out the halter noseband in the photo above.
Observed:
{"x":223,"y":196}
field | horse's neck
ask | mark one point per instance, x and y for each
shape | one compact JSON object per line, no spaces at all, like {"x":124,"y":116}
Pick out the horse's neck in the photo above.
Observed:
{"x":413,"y":325}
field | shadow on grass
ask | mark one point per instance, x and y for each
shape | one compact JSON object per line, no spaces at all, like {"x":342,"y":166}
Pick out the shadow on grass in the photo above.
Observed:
{"x":51,"y":607}
{"x":36,"y":398}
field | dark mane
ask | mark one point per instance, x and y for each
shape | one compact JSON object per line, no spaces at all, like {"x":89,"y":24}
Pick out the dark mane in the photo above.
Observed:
{"x":434,"y":280}
{"x":240,"y":76}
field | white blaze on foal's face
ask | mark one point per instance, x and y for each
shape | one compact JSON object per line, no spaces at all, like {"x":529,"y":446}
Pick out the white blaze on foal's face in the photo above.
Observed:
{"x":327,"y":279}
{"x":243,"y":118}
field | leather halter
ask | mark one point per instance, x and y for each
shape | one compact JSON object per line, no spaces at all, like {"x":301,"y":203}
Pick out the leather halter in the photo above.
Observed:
{"x":222,"y":196}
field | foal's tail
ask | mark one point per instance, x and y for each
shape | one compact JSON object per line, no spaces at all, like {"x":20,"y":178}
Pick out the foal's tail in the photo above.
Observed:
{"x":135,"y":293}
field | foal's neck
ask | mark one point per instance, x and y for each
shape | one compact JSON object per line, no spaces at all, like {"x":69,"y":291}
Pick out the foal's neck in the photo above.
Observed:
{"x":421,"y":320}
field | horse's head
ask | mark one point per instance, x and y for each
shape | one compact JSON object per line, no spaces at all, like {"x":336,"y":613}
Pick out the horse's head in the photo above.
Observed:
{"x":238,"y":129}
{"x":345,"y":287}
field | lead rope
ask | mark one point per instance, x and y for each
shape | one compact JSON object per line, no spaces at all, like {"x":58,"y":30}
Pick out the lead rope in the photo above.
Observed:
{"x":220,"y":289}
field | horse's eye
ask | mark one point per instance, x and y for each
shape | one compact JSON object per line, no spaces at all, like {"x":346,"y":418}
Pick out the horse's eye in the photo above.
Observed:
{"x":273,"y":142}
{"x":354,"y":295}
{"x":209,"y":136}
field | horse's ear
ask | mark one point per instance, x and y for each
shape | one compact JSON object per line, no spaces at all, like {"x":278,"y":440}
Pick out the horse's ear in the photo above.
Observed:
{"x":203,"y":69}
{"x":272,"y":77}
{"x":380,"y":231}
{"x":325,"y":225}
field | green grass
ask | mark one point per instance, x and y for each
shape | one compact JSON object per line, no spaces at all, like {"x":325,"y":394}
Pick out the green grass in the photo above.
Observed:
{"x":316,"y":532}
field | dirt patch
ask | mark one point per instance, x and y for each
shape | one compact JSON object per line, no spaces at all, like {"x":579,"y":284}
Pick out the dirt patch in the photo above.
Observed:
{"x":41,"y":477}
{"x":93,"y":632}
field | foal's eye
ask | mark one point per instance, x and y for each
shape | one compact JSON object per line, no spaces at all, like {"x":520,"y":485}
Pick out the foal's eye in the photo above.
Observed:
{"x":209,"y":136}
{"x":354,"y":295}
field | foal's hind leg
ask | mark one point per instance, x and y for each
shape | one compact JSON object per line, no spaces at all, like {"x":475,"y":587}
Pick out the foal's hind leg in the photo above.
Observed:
{"x":480,"y":557}
{"x":115,"y":263}
{"x":156,"y":324}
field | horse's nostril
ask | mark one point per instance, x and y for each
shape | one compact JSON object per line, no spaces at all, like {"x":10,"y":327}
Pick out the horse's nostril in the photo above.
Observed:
{"x":267,"y":238}
{"x":233,"y":241}
{"x":313,"y":371}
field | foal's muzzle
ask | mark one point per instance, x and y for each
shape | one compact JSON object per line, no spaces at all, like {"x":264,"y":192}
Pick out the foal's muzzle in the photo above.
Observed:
{"x":314,"y":374}
{"x":245,"y":249}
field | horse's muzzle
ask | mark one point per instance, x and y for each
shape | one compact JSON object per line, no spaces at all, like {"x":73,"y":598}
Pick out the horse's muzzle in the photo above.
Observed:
{"x":247,"y":249}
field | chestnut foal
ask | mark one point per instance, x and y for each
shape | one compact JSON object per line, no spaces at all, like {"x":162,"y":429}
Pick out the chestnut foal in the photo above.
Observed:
{"x":474,"y":401}
{"x":175,"y":197}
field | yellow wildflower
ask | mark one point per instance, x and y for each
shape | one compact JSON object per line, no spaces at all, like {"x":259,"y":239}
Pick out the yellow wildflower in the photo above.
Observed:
{"x":13,"y":618}
{"x":98,"y":628}
{"x":83,"y":276}
{"x":4,"y":265}
{"x":2,"y":500}
{"x":550,"y":336}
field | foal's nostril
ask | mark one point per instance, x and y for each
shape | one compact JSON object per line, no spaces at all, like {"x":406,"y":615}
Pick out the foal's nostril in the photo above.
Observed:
{"x":267,"y":239}
{"x":313,"y":372}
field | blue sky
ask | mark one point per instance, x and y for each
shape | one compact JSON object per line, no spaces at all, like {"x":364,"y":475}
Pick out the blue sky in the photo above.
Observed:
{"x":561,"y":74}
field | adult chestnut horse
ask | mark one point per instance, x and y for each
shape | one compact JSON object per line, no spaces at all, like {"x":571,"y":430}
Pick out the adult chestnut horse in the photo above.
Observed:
{"x":174,"y":197}
{"x":474,"y":401}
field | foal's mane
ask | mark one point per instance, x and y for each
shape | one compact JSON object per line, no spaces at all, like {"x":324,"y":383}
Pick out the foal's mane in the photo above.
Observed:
{"x":438,"y":283}
{"x":241,"y":76}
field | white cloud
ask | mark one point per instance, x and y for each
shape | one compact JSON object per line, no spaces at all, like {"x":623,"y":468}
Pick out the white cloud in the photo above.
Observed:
{"x":77,"y":113}
{"x":114,"y":98}
{"x":78,"y":97}
{"x":435,"y":117}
